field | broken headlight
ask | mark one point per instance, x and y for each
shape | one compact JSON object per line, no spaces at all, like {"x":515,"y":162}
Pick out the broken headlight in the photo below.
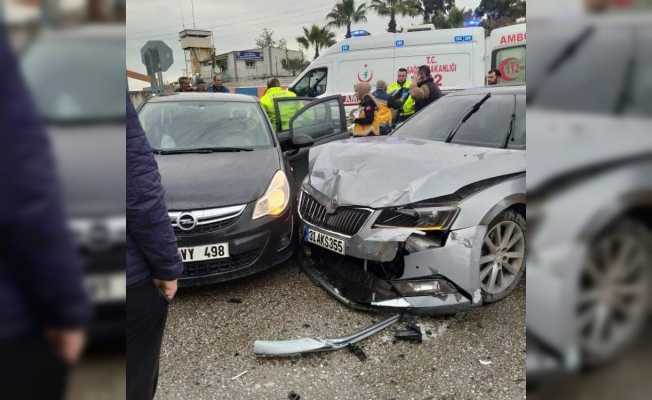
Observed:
{"x":439,"y":218}
{"x":424,"y":287}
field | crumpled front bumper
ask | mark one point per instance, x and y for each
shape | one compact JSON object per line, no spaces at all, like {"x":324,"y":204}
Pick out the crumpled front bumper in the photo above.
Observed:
{"x":455,"y":264}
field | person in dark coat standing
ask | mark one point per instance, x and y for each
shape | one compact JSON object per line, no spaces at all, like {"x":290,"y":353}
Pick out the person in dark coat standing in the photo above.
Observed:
{"x":153,"y":263}
{"x":424,"y":90}
{"x":218,"y":85}
{"x":44,"y":308}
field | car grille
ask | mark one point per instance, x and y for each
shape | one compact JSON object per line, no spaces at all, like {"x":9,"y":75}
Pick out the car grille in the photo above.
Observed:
{"x":208,"y":220}
{"x":345,"y":220}
{"x":215,"y":226}
{"x":209,"y":267}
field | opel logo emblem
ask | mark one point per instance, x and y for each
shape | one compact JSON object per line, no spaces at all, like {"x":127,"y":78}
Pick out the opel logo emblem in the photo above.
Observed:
{"x":186,"y":221}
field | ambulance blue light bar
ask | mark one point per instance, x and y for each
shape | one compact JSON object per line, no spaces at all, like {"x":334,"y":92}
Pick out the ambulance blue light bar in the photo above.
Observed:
{"x":472,"y":22}
{"x":359,"y":32}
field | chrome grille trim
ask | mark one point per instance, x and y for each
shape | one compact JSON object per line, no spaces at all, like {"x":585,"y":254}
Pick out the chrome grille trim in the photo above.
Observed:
{"x":209,"y":216}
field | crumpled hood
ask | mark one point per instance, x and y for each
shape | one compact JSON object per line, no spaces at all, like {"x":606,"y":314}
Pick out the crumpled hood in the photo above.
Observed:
{"x":390,"y":170}
{"x":561,"y":143}
{"x":195,"y":181}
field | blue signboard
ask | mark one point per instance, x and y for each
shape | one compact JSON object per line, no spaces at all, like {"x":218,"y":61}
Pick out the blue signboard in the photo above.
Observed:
{"x":345,"y":48}
{"x":250,"y":55}
{"x":463,"y":38}
{"x":399,"y":43}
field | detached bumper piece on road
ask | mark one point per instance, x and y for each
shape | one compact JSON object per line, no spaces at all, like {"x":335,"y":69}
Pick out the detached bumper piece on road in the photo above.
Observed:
{"x":287,"y":348}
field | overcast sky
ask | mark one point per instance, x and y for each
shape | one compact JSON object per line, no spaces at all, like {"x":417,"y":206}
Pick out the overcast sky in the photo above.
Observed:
{"x":235,"y":23}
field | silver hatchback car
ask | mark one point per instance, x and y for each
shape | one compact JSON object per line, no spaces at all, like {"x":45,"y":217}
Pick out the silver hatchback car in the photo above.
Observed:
{"x":430,"y":219}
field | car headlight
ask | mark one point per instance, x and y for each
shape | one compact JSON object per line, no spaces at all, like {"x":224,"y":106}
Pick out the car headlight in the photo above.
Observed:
{"x":438,"y":218}
{"x":276,"y":197}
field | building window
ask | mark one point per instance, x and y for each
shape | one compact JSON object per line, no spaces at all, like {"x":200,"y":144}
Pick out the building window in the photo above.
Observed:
{"x":250,"y":64}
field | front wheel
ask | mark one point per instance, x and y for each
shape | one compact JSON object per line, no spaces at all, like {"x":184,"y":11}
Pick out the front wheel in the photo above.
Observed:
{"x":502,"y":260}
{"x":614,"y":291}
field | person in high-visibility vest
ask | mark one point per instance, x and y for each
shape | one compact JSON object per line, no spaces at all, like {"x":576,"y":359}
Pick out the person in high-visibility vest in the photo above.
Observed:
{"x":274,"y":90}
{"x":400,"y":90}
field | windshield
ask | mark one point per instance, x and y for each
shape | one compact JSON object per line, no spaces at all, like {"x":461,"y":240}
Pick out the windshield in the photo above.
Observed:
{"x":596,"y":70}
{"x":487,"y":126}
{"x":77,"y":80}
{"x":187,"y":125}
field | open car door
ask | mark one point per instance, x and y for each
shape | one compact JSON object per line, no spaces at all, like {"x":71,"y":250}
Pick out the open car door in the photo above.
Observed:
{"x":317,"y":122}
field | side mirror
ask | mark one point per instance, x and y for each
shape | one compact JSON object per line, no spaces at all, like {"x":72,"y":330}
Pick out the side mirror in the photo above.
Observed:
{"x":300,"y":141}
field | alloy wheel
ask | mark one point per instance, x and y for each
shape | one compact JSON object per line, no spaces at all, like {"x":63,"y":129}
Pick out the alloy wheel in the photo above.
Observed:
{"x":613,"y":294}
{"x":502,"y":257}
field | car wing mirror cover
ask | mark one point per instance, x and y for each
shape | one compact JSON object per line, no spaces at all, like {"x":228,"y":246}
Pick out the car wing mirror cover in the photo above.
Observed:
{"x":302,"y":141}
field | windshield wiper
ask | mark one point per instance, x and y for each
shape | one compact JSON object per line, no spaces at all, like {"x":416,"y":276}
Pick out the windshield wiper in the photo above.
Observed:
{"x":203,"y":150}
{"x":567,"y":53}
{"x":468,"y":115}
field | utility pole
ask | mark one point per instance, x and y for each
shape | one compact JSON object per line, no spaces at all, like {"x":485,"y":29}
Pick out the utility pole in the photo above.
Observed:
{"x":194,"y":25}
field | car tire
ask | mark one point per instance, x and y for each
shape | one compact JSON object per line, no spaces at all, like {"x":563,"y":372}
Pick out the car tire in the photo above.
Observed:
{"x":505,"y":270}
{"x":638,"y":281}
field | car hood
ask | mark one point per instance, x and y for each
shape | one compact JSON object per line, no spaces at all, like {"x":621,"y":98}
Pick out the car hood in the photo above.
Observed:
{"x":391,"y":170}
{"x":562,"y":143}
{"x":195,"y":181}
{"x":91,"y":168}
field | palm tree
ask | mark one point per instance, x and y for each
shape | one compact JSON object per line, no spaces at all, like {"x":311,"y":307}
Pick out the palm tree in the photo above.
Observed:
{"x":392,"y":8}
{"x":430,"y":8}
{"x":346,"y":13}
{"x":317,"y":37}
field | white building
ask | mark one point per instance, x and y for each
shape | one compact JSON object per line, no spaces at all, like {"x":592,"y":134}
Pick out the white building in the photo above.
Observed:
{"x":244,"y":65}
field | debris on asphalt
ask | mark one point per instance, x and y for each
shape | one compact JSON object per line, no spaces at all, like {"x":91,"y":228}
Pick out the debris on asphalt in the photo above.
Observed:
{"x":411,"y":333}
{"x":286,"y":348}
{"x":357,"y":351}
{"x":293,"y":396}
{"x":486,"y":362}
{"x":239,"y":375}
{"x":235,"y":301}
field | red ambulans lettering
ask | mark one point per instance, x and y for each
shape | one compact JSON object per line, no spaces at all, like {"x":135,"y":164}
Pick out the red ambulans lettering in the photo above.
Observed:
{"x":513,"y":38}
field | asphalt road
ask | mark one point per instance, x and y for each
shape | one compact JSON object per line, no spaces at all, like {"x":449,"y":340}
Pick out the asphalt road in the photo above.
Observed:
{"x":627,"y":377}
{"x":208,"y":348}
{"x":99,"y":376}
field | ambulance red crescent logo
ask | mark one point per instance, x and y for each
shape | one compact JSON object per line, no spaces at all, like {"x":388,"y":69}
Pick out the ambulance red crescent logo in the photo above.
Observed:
{"x":365,"y":75}
{"x":509,"y":68}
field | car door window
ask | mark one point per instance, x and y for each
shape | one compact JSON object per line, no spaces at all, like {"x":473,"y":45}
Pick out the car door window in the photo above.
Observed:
{"x":312,"y":84}
{"x":285,"y":108}
{"x":511,"y":63}
{"x":490,"y":125}
{"x":517,"y":140}
{"x":319,"y":120}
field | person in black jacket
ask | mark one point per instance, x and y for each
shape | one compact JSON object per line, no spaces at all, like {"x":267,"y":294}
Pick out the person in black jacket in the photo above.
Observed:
{"x":153,"y":263}
{"x":43,"y":305}
{"x":366,"y":111}
{"x":424,"y":91}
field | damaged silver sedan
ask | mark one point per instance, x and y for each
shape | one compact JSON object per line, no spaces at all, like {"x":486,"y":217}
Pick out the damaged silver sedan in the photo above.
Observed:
{"x":430,"y":219}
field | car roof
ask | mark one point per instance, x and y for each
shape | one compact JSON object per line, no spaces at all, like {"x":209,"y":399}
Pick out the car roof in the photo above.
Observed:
{"x":203,"y":96}
{"x":500,"y":89}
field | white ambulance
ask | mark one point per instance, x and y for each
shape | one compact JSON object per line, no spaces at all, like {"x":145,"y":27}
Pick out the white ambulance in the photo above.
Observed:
{"x":506,"y":51}
{"x":456,"y":58}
